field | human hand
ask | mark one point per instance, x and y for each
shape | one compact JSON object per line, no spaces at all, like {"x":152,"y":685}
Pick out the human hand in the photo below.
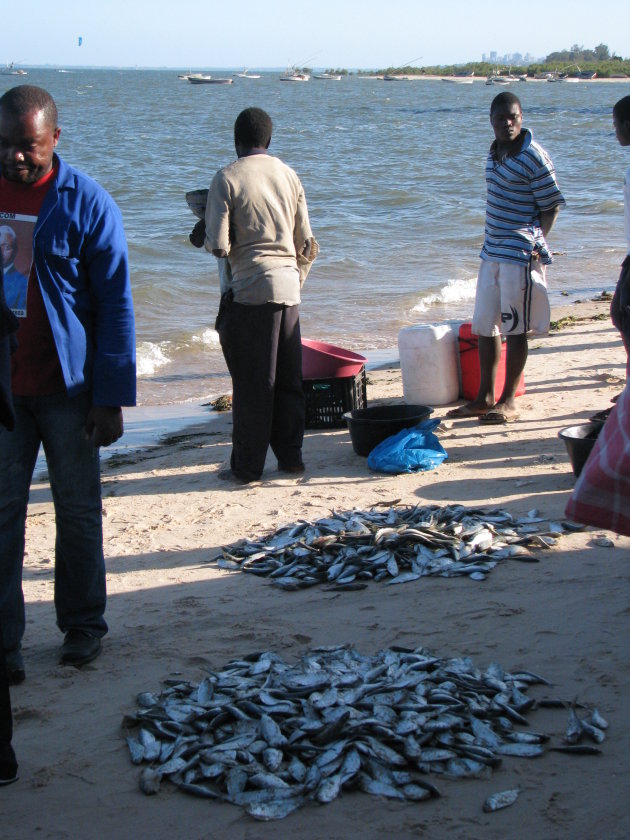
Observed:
{"x":104,"y":424}
{"x":198,"y":234}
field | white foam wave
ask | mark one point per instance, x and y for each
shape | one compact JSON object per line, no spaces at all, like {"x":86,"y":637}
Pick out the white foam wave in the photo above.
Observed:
{"x":209,"y":338}
{"x":150,"y":357}
{"x":455,"y":291}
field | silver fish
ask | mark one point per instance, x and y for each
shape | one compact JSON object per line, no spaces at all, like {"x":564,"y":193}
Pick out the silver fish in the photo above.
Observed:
{"x":573,"y":732}
{"x":502,"y":799}
{"x":398,"y":545}
{"x":150,"y":781}
{"x":275,"y":809}
{"x":521,"y":750}
{"x":136,"y":750}
{"x":268,"y":735}
{"x":596,"y":719}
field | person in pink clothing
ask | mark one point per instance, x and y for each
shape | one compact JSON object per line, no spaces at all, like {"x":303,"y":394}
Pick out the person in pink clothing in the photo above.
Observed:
{"x":601,"y":496}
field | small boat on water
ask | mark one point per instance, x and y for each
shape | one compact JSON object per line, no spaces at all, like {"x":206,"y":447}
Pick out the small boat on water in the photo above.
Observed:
{"x":459,"y":80}
{"x":503,"y":78}
{"x":11,"y":70}
{"x":294,"y":75}
{"x":246,"y":75}
{"x":332,"y":77}
{"x":203,"y":79}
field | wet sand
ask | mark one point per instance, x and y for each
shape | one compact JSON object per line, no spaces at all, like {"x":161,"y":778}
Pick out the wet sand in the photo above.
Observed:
{"x":171,"y":612}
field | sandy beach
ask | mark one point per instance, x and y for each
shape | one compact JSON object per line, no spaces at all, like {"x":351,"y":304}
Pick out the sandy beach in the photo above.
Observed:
{"x":171,"y":612}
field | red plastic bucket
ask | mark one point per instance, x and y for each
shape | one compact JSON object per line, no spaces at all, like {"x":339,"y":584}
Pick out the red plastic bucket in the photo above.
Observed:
{"x":469,"y":366}
{"x":325,"y":361}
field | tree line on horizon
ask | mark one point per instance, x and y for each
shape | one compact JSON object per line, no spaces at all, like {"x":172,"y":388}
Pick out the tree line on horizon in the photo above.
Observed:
{"x":572,"y":61}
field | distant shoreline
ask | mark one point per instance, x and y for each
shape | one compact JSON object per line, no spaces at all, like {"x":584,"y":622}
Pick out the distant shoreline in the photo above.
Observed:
{"x":358,"y":73}
{"x":433,"y":78}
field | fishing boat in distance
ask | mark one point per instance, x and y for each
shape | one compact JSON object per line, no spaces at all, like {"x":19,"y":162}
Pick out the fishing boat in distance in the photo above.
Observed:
{"x":11,"y":70}
{"x":331,"y":77}
{"x":245,"y":74}
{"x":294,"y":75}
{"x":460,"y":80}
{"x":205,"y":79}
{"x":497,"y":78}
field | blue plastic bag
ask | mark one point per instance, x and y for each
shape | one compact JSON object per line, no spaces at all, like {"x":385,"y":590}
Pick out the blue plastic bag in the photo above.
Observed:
{"x":409,"y":450}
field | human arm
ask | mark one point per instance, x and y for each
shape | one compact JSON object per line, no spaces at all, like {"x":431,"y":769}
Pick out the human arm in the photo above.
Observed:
{"x":198,"y":237}
{"x":104,"y":424}
{"x":302,"y":233}
{"x":217,"y":220}
{"x":548,"y":219}
{"x":113,"y":333}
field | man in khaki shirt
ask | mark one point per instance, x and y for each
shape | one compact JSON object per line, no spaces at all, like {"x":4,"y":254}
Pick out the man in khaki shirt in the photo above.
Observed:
{"x":256,"y":217}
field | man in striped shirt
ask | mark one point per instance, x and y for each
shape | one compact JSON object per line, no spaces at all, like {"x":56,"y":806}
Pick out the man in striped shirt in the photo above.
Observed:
{"x":522,"y":205}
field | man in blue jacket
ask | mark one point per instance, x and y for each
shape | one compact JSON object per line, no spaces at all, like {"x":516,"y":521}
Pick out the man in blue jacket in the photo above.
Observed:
{"x":73,"y":369}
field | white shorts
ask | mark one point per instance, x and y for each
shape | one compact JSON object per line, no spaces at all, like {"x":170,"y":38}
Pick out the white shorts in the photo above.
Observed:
{"x":511,"y":299}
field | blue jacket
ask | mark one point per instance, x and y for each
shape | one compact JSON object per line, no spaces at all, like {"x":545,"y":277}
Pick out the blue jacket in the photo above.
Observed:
{"x":80,"y":257}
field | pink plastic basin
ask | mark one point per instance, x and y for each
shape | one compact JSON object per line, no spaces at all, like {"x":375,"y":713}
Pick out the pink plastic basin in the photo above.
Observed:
{"x":325,"y":361}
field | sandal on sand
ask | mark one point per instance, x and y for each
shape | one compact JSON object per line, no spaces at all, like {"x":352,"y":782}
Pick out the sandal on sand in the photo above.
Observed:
{"x":497,"y":417}
{"x":463,"y":412}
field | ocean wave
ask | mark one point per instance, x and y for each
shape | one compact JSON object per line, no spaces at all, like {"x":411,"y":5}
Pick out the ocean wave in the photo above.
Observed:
{"x":455,"y":291}
{"x":209,"y":338}
{"x":607,"y":206}
{"x":151,"y":357}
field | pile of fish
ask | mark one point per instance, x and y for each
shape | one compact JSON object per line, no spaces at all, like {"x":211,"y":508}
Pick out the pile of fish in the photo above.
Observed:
{"x":395,"y":545}
{"x":270,"y":736}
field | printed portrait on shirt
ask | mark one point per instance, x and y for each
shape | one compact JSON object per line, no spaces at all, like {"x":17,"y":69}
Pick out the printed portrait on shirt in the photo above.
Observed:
{"x":16,"y":249}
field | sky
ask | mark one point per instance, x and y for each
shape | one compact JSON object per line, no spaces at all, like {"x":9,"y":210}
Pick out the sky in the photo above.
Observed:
{"x":352,"y":34}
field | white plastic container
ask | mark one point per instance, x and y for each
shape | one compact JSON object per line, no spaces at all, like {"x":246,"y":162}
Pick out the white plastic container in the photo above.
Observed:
{"x":428,"y":363}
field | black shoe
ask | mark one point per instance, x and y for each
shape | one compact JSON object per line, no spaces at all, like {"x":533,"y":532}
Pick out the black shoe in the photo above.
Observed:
{"x":8,"y":777}
{"x":295,"y":469}
{"x":16,"y":675}
{"x":79,"y":648}
{"x":15,"y":667}
{"x":229,"y":475}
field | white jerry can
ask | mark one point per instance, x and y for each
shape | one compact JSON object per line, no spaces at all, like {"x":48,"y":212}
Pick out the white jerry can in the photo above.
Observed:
{"x":428,"y":364}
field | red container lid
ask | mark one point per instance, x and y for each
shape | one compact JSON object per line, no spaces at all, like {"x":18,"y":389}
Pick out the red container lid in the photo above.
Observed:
{"x":326,"y":361}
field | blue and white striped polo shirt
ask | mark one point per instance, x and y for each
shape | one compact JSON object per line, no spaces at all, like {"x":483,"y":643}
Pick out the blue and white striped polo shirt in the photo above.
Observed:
{"x":519,"y":187}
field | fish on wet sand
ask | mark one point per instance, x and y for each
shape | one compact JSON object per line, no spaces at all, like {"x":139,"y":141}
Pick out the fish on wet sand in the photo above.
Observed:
{"x":501,"y":799}
{"x":270,"y":736}
{"x":396,"y":545}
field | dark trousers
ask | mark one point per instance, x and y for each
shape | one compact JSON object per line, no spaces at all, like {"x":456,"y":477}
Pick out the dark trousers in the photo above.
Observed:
{"x":620,"y":304}
{"x":8,"y":764}
{"x":8,"y":325}
{"x":262,"y":347}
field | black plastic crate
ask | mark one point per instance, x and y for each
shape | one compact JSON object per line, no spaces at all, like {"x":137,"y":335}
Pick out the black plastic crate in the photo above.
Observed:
{"x":328,"y":399}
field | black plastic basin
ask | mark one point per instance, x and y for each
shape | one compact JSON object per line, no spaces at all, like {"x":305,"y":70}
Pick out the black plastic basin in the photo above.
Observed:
{"x":579,"y":441}
{"x":369,"y":426}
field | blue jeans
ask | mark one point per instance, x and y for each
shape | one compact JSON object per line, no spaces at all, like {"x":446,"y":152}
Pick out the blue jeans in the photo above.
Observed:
{"x":57,"y":422}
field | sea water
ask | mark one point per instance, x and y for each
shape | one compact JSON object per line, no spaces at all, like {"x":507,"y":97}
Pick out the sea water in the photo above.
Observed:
{"x":394,"y":179}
